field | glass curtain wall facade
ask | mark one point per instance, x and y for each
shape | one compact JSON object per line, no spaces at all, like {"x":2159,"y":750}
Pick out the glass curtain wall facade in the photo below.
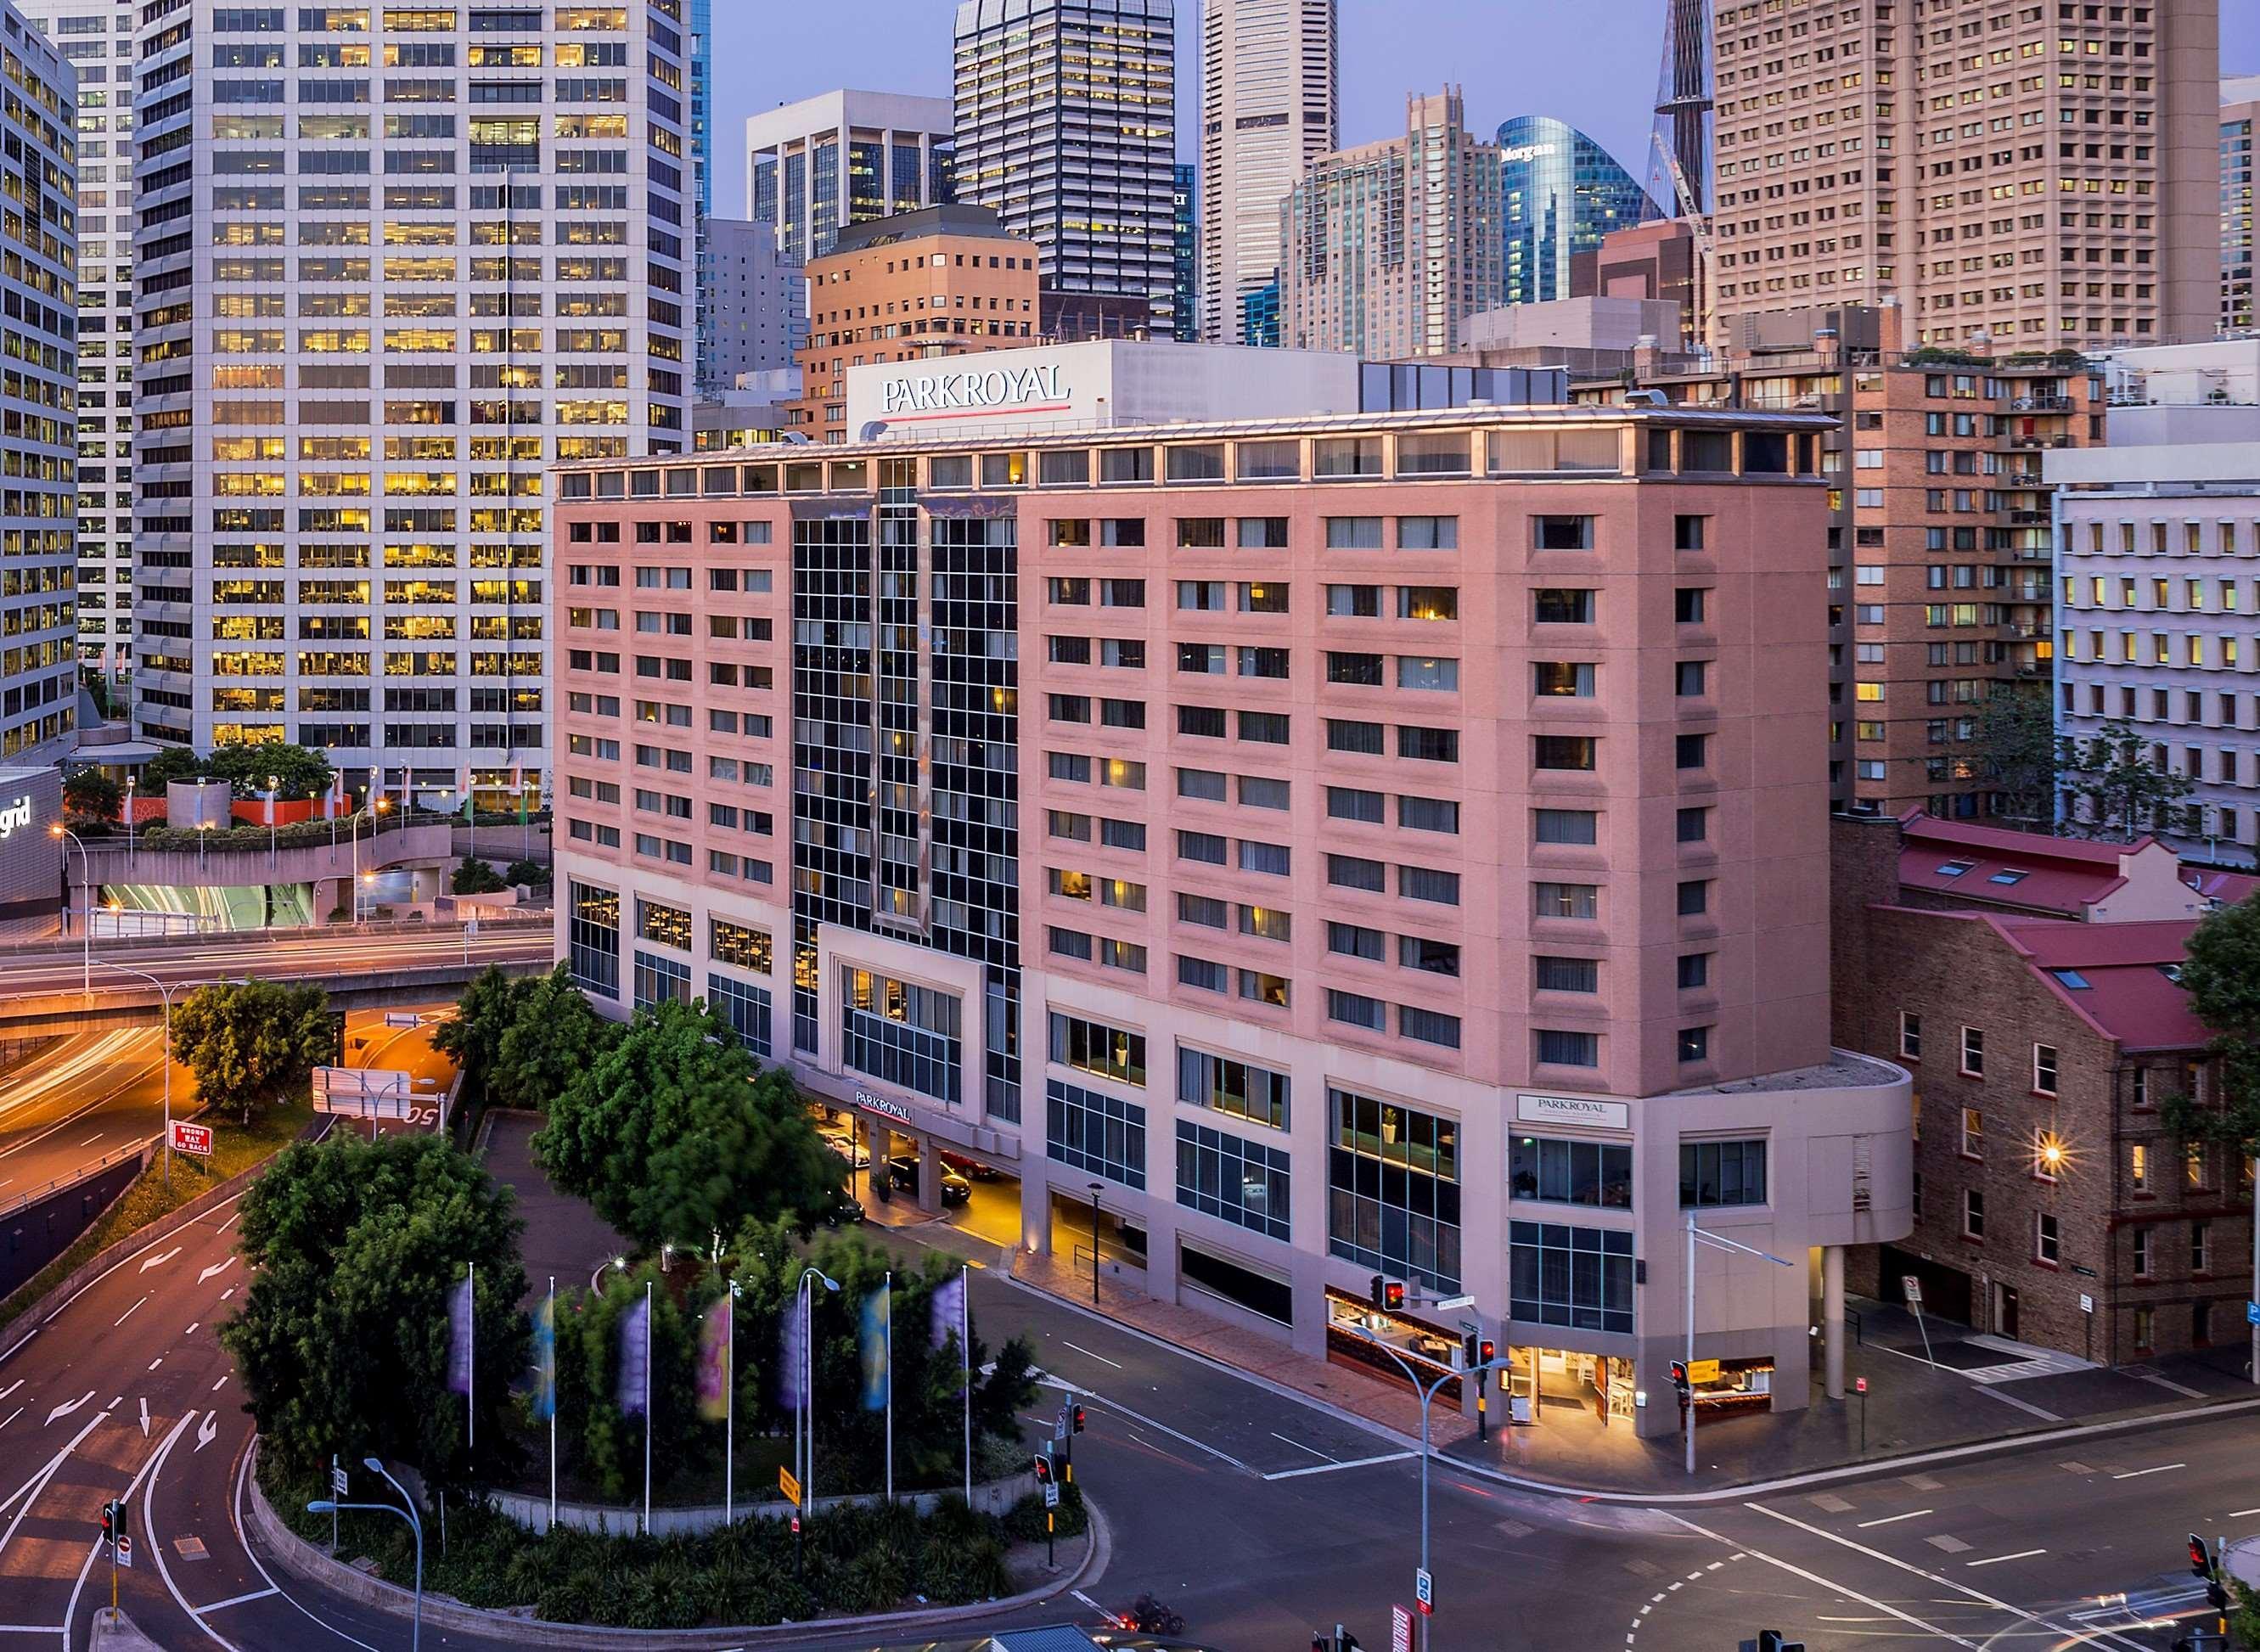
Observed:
{"x":818,"y":166}
{"x":1559,"y":193}
{"x":391,"y":264}
{"x":96,"y":36}
{"x":38,"y":290}
{"x":2240,"y":113}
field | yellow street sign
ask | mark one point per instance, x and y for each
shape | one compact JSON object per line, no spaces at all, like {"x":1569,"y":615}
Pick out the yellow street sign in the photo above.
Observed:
{"x":786,"y":1484}
{"x":1702,"y":1371}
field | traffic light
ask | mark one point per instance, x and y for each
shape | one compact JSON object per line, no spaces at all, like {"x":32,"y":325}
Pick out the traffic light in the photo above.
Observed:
{"x":1771,"y":1640}
{"x":110,"y":1522}
{"x":1392,"y":1294}
{"x":2206,"y":1566}
{"x":1075,"y":1419}
{"x":1487,"y":1350}
{"x":1679,"y":1380}
{"x":1373,"y":1291}
{"x":1043,"y":1468}
{"x":1471,"y":1345}
{"x":2200,"y":1557}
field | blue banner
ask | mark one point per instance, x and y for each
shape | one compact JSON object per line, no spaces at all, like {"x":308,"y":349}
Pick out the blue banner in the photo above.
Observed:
{"x":878,"y":1354}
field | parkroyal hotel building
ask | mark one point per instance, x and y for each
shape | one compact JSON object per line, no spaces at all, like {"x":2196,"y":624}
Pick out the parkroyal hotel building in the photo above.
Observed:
{"x":1350,"y":844}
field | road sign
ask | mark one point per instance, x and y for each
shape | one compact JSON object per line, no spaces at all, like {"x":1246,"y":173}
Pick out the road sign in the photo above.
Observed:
{"x":337,"y":1480}
{"x":2252,"y":1313}
{"x":192,"y":1138}
{"x":126,"y":1553}
{"x":402,"y":1018}
{"x":1702,"y":1371}
{"x":1859,"y":1384}
{"x":1059,"y":1424}
{"x":1911,"y":1287}
{"x":1401,"y":1630}
{"x":788,"y":1485}
{"x":2086,"y":1302}
{"x":1424,"y":1594}
{"x":1051,"y":1494}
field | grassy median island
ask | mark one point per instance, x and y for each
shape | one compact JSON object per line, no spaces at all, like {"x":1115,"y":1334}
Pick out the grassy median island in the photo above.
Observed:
{"x":856,"y":1561}
{"x":236,"y":1147}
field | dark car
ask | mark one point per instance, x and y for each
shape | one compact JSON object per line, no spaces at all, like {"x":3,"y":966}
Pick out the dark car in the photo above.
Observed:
{"x":844,"y":1211}
{"x":972,"y":1167}
{"x":903,"y":1171}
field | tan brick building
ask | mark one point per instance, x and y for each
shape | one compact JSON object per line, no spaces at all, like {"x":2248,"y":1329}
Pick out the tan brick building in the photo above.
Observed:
{"x":1939,"y":534}
{"x":942,"y":280}
{"x":2052,"y":1206}
{"x":2031,"y":174}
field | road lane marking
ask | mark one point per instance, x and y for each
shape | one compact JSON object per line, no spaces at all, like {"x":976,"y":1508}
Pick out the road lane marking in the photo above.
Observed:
{"x":2163,"y":1381}
{"x":1300,"y":1446}
{"x":218,"y":1267}
{"x":2043,"y":1412}
{"x":1929,"y":1576}
{"x":1087,"y":1354}
{"x":123,"y":1317}
{"x":154,"y":1364}
{"x":145,"y":1417}
{"x":11,"y":1388}
{"x":1830,"y":1584}
{"x":157,"y":1549}
{"x":230,"y":1222}
{"x":1093,"y":1605}
{"x":2234,"y":1514}
{"x":225,"y":1294}
{"x":207,"y":1430}
{"x":1892,"y":1519}
{"x":237,"y":1601}
{"x":34,"y":1629}
{"x":1096,"y":1398}
{"x":65,"y":1304}
{"x":2022,"y":1554}
{"x":191,"y":1331}
{"x":2136,"y":1474}
{"x":32,"y":1488}
{"x":216,"y":1387}
{"x":159,"y":1261}
{"x":12,"y":1416}
{"x":65,"y":1411}
{"x":1336,"y":1467}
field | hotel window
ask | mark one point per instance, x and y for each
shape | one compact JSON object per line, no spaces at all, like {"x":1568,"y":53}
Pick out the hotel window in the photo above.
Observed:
{"x":1565,"y":900}
{"x":1575,"y":1277}
{"x":1564,"y":826}
{"x":1716,"y":1174}
{"x":1238,"y":1089}
{"x":1973,"y":1134}
{"x":1562,"y":1049}
{"x":1593,"y":1173}
{"x":901,"y":1033}
{"x":744,"y":1009}
{"x":1562,"y":533}
{"x":1353,"y":533}
{"x":1973,"y":1213}
{"x":1393,"y":1188}
{"x":2044,"y":1068}
{"x":1100,"y":1133}
{"x":1355,"y":1009}
{"x":1910,"y":1036}
{"x":2048,"y":1244}
{"x":1973,"y":1053}
{"x":1242,"y":1181}
{"x":1098,"y":1049}
{"x":1427,"y":533}
{"x":660,"y":980}
{"x":593,"y":940}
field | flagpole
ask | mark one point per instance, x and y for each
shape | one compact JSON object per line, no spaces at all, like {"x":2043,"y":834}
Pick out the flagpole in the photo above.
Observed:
{"x":646,"y":1408}
{"x":891,"y":1384}
{"x":965,"y":1385}
{"x":471,"y":1358}
{"x":729,"y":1400}
{"x":552,"y":1402}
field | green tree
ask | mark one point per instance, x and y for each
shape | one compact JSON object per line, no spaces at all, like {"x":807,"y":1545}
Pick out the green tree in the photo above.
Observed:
{"x":2222,"y":975}
{"x":2126,"y":794}
{"x":174,"y":762}
{"x":355,"y":1248}
{"x":532,"y":874}
{"x":552,"y":1038}
{"x":91,"y":793}
{"x":475,"y":877}
{"x":303,"y":773}
{"x":671,"y":1134}
{"x":606,"y":1442}
{"x":2016,"y":735}
{"x":253,"y":1043}
{"x":473,"y":1039}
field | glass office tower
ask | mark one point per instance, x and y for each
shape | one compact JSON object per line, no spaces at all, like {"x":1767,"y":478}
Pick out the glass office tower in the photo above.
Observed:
{"x":1559,"y":192}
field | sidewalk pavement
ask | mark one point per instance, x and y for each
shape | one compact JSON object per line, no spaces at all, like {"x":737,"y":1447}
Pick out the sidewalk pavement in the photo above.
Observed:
{"x":1912,"y":1404}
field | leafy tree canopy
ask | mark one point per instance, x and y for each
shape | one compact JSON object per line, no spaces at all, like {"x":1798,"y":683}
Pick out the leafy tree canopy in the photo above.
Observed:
{"x":246,"y":768}
{"x":2222,"y":977}
{"x":475,"y":877}
{"x":672,"y":1134}
{"x":91,"y":793}
{"x":356,"y":1247}
{"x":174,"y":762}
{"x":253,"y":1043}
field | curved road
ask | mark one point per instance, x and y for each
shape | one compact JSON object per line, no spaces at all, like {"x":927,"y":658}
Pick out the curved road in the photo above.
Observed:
{"x":77,"y":1101}
{"x":275,"y":955}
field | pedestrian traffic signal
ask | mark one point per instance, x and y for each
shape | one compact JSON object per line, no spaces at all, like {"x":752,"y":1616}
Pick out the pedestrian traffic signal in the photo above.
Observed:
{"x":1043,"y":1468}
{"x":1075,"y":1419}
{"x":2200,"y":1557}
{"x":114,"y":1519}
{"x":1487,"y":1350}
{"x":1469,"y":1356}
{"x":1386,"y":1293}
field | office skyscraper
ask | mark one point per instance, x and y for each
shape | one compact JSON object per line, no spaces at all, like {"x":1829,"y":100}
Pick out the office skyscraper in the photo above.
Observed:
{"x":1269,"y":109}
{"x":97,"y":37}
{"x":702,"y":165}
{"x":1559,"y":193}
{"x":39,"y":672}
{"x":1184,"y":250}
{"x":1387,"y":248}
{"x":1066,"y":126}
{"x":389,"y":272}
{"x":2051,"y":184}
{"x":2240,"y":117}
{"x":815,"y":166}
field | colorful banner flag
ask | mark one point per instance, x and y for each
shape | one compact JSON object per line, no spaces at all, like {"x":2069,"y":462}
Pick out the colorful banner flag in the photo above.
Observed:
{"x":878,"y":1315}
{"x":466,"y":791}
{"x":635,"y":1359}
{"x":545,"y":1359}
{"x":459,"y":1338}
{"x":792,"y":1354}
{"x":714,"y":1362}
{"x":949,"y":1312}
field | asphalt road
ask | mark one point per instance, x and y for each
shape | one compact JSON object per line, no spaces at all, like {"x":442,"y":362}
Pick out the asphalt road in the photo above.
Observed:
{"x":1257,"y":1517}
{"x":279,"y":955}
{"x":79,"y":1100}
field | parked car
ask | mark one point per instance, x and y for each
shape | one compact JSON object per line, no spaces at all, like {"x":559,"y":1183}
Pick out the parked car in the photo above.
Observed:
{"x":903,"y":1171}
{"x":844,"y":1213}
{"x":850,"y":1149}
{"x":972,"y":1167}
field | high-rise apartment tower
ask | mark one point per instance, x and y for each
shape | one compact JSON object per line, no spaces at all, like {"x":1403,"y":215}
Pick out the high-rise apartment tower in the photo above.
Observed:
{"x":2024,"y":176}
{"x":1269,"y":109}
{"x":390,"y":267}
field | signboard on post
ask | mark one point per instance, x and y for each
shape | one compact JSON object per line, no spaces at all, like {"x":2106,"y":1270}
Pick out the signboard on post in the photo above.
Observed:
{"x":337,"y":1479}
{"x":377,"y":1094}
{"x":1912,"y":1288}
{"x":788,"y":1485}
{"x":1424,"y":1592}
{"x":1051,"y":1494}
{"x":126,"y":1553}
{"x":1401,"y":1630}
{"x":1702,"y":1371}
{"x":192,"y":1138}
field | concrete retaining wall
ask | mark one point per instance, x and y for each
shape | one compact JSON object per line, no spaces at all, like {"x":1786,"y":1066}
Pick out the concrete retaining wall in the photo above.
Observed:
{"x":990,"y":1497}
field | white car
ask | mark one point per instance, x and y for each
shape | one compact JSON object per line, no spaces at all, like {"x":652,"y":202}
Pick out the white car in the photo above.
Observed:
{"x":850,"y":1149}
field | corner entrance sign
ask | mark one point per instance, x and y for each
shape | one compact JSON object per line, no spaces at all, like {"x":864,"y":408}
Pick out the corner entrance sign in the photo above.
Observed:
{"x":192,"y":1138}
{"x":788,"y":1485}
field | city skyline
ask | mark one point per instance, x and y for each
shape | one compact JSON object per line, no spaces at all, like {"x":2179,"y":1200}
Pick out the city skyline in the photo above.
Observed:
{"x":906,"y":47}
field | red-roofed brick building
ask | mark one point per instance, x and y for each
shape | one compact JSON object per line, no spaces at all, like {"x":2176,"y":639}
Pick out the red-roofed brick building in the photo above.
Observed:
{"x":2051,"y":1203}
{"x":1956,"y":864}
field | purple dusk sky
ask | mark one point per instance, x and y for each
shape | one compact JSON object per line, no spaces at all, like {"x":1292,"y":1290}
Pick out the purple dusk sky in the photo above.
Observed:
{"x":1589,"y":62}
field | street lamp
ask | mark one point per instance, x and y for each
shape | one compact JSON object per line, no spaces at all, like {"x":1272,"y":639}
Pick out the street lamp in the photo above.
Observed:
{"x":86,"y":887}
{"x":273,"y":785}
{"x":1427,"y":1392}
{"x":805,"y":1422}
{"x":1096,"y":1188}
{"x":1717,"y":1242}
{"x":130,"y":781}
{"x":327,"y":1506}
{"x":165,"y":992}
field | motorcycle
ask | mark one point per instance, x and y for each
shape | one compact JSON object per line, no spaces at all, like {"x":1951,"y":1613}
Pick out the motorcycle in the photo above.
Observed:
{"x":1148,"y":1616}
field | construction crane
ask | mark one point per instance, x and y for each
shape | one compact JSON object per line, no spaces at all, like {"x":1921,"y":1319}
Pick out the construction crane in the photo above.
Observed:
{"x":1698,"y":227}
